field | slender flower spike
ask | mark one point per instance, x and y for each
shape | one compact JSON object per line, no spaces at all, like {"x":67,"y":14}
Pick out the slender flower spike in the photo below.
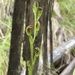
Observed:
{"x":37,"y":11}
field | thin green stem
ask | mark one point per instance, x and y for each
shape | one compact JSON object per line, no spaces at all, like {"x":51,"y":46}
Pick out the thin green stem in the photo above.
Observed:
{"x":31,"y":49}
{"x":34,"y":27}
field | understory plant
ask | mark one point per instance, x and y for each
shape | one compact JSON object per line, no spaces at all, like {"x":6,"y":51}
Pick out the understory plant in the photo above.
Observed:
{"x":4,"y":45}
{"x":68,"y":13}
{"x":37,"y":11}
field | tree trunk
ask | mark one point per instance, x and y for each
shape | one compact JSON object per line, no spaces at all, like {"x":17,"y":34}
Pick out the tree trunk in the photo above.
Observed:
{"x":16,"y":37}
{"x":44,"y":24}
{"x":50,"y":9}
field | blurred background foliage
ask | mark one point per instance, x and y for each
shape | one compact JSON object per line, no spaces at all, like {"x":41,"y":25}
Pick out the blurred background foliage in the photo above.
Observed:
{"x":6,"y":10}
{"x":68,"y":12}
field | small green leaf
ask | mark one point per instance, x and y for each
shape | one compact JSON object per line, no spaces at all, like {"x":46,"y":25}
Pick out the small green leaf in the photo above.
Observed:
{"x":37,"y":52}
{"x":74,"y":72}
{"x":37,"y":28}
{"x":35,"y":7}
{"x":39,"y":13}
{"x":29,"y":30}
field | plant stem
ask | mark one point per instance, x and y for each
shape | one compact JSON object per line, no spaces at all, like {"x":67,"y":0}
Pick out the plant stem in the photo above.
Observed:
{"x":31,"y":49}
{"x":34,"y":27}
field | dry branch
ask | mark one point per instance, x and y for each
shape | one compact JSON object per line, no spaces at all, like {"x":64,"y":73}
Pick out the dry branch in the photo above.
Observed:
{"x":69,"y":68}
{"x":65,"y":47}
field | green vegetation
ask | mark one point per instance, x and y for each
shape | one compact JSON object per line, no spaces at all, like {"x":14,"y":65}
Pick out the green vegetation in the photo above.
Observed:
{"x":5,"y":21}
{"x":34,"y":54}
{"x":4,"y":47}
{"x":68,"y":13}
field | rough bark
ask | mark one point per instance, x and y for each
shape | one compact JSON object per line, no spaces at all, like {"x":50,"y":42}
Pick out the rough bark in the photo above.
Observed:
{"x":16,"y":37}
{"x":50,"y":8}
{"x":44,"y":24}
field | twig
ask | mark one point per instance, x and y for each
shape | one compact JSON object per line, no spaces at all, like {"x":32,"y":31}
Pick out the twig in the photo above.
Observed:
{"x":68,"y":70}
